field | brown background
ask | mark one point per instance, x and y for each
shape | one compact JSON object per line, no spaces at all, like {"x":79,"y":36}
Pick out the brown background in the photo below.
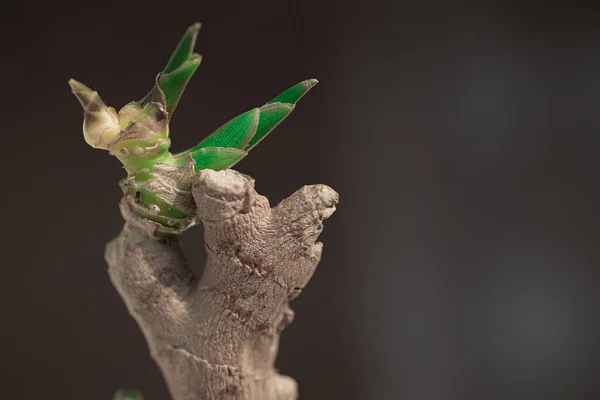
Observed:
{"x":463,"y":260}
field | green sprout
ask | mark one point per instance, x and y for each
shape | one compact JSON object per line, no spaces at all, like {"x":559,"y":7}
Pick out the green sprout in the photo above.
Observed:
{"x":158,"y":182}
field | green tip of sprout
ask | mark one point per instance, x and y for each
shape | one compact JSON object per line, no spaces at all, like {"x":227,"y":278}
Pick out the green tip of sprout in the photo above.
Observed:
{"x":246,"y":130}
{"x":184,"y":49}
{"x":295,"y":93}
{"x":172,"y":81}
{"x":180,"y":68}
{"x":278,"y":109}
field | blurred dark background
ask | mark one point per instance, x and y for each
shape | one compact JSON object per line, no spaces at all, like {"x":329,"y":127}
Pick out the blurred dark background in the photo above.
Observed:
{"x":462,"y":262}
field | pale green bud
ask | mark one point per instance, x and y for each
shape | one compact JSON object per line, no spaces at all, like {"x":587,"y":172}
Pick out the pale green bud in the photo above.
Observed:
{"x":100,"y":122}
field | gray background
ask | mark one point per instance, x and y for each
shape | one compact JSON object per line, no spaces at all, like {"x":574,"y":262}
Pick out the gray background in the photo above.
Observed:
{"x":463,"y":260}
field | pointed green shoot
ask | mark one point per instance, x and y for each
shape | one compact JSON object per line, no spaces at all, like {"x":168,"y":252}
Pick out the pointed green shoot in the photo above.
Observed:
{"x":173,"y":83}
{"x":271,"y":115}
{"x":295,"y":93}
{"x":275,"y":111}
{"x":184,"y":49}
{"x":217,"y":158}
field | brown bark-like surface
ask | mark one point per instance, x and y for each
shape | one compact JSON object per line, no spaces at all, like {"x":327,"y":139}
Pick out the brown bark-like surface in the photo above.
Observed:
{"x":217,"y":337}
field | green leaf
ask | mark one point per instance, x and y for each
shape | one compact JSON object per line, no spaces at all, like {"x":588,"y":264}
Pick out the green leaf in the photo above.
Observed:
{"x":172,"y":81}
{"x":217,"y":158}
{"x":173,"y":84}
{"x":295,"y":93}
{"x":271,"y":115}
{"x":235,"y":134}
{"x":184,"y":49}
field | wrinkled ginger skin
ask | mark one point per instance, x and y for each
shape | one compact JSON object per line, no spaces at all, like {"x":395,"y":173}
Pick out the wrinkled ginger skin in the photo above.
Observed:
{"x":217,"y":337}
